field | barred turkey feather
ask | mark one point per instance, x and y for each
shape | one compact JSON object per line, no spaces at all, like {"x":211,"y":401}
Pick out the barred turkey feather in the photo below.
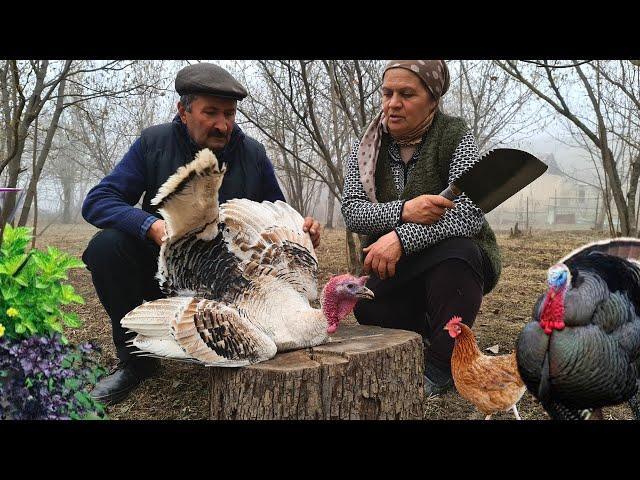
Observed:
{"x":204,"y":330}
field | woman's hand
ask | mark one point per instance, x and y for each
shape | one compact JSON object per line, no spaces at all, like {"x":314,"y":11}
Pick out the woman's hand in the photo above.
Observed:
{"x":312,"y":226}
{"x":425,"y":209}
{"x":383,"y":255}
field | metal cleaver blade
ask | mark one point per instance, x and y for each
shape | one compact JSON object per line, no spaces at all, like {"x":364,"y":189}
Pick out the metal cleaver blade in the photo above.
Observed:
{"x":500,"y":174}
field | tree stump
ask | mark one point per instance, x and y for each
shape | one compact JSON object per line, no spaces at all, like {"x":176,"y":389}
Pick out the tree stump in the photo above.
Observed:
{"x":365,"y":372}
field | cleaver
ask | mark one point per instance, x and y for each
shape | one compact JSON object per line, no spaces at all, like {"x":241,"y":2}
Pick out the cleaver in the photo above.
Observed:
{"x":498,"y":175}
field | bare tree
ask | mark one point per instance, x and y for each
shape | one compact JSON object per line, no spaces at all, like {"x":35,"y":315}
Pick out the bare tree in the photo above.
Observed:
{"x":43,"y":89}
{"x":313,"y":111}
{"x":495,"y":106}
{"x":595,"y":118}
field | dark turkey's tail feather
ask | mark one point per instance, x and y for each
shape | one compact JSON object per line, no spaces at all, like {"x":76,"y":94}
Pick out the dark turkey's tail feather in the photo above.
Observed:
{"x":544,"y":388}
{"x":623,"y":247}
{"x":634,"y":403}
{"x":558,"y":411}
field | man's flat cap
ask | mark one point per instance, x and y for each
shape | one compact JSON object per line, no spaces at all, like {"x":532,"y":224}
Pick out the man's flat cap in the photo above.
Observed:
{"x":208,"y":79}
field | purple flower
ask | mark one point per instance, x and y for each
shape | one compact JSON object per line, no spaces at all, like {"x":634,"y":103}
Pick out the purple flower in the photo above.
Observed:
{"x":34,"y":386}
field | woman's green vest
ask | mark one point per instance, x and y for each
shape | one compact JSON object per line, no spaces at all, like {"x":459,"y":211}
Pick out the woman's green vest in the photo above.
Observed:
{"x":430,"y":176}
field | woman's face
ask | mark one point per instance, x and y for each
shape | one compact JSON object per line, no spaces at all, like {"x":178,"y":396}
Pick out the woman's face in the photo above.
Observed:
{"x":405,"y":101}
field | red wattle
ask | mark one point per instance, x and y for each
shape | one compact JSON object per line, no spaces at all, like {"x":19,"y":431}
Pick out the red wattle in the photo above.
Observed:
{"x":552,"y":317}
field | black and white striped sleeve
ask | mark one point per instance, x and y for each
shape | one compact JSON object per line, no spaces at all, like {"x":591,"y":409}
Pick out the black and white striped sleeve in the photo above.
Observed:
{"x":465,"y":220}
{"x":360,"y":214}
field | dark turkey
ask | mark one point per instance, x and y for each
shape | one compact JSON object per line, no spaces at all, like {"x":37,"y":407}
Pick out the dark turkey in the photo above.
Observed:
{"x":240,"y":277}
{"x":581,"y":352}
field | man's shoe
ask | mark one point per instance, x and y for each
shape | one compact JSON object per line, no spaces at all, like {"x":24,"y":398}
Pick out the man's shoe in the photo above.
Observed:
{"x":118,"y":385}
{"x":432,"y":388}
{"x":436,"y":381}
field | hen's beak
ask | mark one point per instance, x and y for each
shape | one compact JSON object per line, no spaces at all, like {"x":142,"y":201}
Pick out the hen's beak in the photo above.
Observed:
{"x":364,"y":292}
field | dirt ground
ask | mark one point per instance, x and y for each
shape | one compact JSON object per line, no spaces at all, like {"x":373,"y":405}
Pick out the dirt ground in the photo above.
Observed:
{"x":180,"y":391}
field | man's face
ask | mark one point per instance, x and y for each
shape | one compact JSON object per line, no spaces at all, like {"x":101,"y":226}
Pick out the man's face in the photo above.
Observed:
{"x":210,"y":121}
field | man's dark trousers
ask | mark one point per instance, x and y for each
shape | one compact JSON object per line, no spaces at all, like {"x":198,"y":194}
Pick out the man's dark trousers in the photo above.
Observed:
{"x":123,"y":270}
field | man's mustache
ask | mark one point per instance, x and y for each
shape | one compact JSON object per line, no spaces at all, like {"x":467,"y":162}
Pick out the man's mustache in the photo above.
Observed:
{"x":218,"y":134}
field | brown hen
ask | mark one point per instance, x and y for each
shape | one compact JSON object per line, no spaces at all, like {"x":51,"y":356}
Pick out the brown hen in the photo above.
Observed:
{"x":492,"y":384}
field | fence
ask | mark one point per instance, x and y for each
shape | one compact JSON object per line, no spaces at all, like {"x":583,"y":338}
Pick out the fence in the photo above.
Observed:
{"x":560,"y":212}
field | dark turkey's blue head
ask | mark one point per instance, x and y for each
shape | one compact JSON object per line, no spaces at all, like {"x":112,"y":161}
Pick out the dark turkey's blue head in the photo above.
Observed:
{"x":558,"y":276}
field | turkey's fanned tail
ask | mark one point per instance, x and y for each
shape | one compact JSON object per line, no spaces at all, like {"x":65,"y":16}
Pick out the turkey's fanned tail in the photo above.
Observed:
{"x":623,"y":247}
{"x":207,"y":331}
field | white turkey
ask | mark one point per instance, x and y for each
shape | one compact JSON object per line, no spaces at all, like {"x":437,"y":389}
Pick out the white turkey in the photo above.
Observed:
{"x":240,"y":278}
{"x":581,"y":352}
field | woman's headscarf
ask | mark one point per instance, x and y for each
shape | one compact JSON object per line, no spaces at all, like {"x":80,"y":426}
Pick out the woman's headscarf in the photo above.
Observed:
{"x":435,"y":76}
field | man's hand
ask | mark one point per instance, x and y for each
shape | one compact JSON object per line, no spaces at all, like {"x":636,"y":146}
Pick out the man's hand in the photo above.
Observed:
{"x":383,"y":255}
{"x":425,"y":209}
{"x":313,"y":227}
{"x":156,"y":231}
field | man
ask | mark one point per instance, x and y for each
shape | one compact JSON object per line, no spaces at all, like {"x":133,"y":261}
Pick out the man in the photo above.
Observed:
{"x":123,"y":256}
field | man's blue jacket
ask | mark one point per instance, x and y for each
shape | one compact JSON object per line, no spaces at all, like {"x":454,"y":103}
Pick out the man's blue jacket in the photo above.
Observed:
{"x":155,"y":156}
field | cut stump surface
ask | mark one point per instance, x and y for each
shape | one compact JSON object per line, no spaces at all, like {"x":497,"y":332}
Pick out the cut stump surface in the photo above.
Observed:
{"x":364,"y":372}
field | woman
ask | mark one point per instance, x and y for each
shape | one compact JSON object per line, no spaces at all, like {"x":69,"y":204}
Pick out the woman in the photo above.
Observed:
{"x":430,"y":258}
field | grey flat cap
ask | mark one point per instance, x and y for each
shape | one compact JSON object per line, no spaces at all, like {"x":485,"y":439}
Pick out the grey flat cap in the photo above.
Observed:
{"x":208,"y":79}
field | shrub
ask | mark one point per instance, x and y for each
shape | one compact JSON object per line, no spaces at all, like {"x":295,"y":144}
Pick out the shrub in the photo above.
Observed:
{"x":31,"y":287}
{"x":42,"y":376}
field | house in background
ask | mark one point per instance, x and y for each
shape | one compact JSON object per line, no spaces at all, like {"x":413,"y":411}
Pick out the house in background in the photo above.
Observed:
{"x":553,"y":201}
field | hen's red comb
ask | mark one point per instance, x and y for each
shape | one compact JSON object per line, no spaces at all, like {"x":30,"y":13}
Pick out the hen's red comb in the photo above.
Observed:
{"x":455,"y":319}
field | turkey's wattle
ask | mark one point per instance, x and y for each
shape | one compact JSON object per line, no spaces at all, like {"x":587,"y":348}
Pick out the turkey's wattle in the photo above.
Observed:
{"x":552,"y":317}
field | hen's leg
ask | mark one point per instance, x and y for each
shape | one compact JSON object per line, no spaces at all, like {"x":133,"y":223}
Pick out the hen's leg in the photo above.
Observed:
{"x":488,"y":417}
{"x":515,"y":412}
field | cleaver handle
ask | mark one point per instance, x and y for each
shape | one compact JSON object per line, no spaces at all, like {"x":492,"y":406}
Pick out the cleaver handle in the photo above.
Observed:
{"x":451,"y":192}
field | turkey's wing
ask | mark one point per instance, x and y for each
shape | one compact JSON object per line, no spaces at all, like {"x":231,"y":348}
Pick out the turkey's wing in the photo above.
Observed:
{"x":188,"y":200}
{"x":269,"y":240}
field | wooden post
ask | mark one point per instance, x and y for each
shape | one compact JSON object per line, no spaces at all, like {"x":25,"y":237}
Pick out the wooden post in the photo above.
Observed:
{"x":365,"y":372}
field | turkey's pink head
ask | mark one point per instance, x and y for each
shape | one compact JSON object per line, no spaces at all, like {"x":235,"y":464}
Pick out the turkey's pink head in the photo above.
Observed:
{"x":453,"y":326}
{"x":339,"y":297}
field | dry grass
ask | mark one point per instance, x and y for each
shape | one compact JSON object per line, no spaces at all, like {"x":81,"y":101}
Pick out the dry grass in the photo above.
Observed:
{"x":181,"y":391}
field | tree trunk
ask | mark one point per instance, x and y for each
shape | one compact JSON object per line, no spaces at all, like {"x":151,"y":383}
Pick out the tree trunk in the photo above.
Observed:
{"x":44,"y":153}
{"x":365,"y":372}
{"x":330,"y":207}
{"x":67,"y":198}
{"x":353,"y":256}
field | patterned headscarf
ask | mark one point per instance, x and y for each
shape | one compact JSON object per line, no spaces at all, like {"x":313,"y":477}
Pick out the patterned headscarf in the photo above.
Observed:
{"x":434,"y":74}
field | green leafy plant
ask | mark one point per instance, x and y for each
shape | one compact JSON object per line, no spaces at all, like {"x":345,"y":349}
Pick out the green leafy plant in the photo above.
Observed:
{"x":32,"y":289}
{"x":42,"y":376}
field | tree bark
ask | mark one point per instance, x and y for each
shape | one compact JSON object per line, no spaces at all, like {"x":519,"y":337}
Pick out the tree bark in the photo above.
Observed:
{"x":67,"y":198}
{"x":331,"y":200}
{"x":353,"y":256}
{"x":364,"y":373}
